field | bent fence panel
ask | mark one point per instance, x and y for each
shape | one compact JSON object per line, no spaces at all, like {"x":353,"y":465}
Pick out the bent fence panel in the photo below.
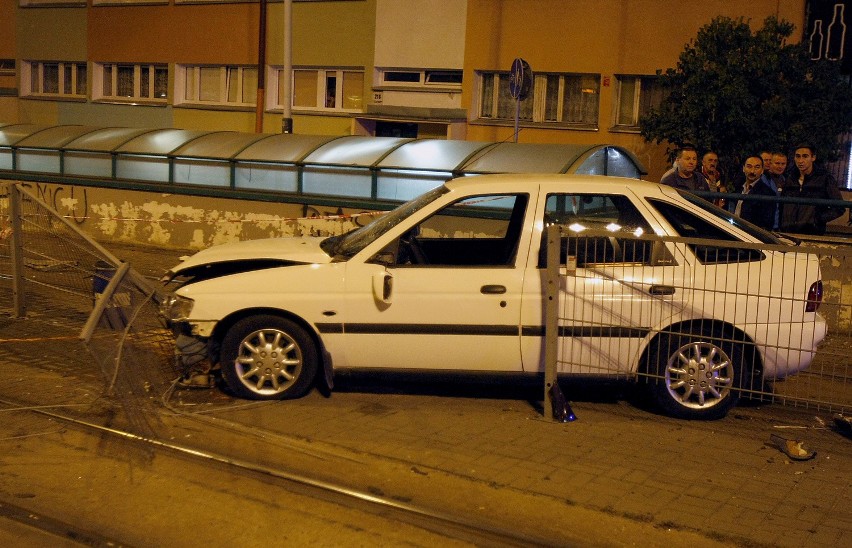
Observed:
{"x":626,"y":303}
{"x":82,"y":306}
{"x":83,"y":311}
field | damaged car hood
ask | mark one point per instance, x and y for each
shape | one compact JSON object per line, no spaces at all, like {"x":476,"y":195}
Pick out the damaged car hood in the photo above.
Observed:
{"x":304,"y":250}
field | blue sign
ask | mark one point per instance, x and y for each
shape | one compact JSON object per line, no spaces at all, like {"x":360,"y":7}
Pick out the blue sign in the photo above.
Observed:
{"x":521,"y":79}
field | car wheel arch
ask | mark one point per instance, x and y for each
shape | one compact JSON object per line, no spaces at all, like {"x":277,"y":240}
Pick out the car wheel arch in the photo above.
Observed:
{"x":752,"y":357}
{"x":225,"y":324}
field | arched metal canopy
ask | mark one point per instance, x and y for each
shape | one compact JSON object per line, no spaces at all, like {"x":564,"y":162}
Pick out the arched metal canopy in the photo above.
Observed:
{"x":359,"y":166}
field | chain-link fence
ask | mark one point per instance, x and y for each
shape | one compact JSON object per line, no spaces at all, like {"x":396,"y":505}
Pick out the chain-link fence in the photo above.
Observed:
{"x":69,"y":300}
{"x":702,"y":319}
{"x":615,"y":294}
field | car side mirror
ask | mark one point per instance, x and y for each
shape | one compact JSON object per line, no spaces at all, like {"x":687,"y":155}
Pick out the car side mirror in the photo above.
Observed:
{"x":384,"y":258}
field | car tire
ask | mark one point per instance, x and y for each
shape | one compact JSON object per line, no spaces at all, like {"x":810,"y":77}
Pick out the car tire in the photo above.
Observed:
{"x":267,"y":357}
{"x":694,"y":375}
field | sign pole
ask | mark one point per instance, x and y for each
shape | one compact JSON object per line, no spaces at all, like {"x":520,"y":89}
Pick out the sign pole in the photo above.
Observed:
{"x":519,"y":87}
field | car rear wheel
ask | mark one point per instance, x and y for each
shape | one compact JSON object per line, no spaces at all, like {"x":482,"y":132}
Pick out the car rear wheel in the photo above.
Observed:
{"x":268,"y":357}
{"x":694,"y":375}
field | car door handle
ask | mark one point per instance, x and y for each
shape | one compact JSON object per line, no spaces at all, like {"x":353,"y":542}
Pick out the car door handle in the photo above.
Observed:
{"x":661,"y":290}
{"x":492,"y":289}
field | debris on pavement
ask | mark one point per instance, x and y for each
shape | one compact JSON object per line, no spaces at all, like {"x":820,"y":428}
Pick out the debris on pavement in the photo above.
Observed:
{"x":795,"y":449}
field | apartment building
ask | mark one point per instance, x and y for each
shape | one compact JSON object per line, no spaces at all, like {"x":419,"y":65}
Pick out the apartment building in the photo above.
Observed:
{"x":411,"y":68}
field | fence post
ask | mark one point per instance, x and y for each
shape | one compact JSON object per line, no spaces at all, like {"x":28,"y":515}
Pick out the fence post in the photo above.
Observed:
{"x":551,"y":317}
{"x":17,"y":252}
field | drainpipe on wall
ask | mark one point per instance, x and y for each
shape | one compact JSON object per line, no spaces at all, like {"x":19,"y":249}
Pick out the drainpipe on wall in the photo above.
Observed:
{"x":287,"y":84}
{"x":261,"y":70}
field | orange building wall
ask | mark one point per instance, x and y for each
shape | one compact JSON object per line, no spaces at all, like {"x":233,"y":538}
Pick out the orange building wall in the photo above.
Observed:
{"x":7,"y":29}
{"x":54,"y":34}
{"x":608,"y":37}
{"x":7,"y":51}
{"x":208,"y":33}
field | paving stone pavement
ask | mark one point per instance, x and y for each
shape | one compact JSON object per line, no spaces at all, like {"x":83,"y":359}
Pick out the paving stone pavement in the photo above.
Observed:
{"x":722,"y":478}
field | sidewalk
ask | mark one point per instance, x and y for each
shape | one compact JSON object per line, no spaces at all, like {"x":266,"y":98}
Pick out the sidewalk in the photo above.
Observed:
{"x":723,"y":479}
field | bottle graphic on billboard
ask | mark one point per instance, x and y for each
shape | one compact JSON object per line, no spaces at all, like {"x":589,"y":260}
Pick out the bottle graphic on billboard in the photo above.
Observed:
{"x":815,"y":41}
{"x":836,"y":35}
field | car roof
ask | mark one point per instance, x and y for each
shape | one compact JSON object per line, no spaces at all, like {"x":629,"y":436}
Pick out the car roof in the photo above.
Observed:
{"x":506,"y":182}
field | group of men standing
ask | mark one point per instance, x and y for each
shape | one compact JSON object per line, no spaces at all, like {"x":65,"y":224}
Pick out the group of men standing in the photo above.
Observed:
{"x":765,"y":174}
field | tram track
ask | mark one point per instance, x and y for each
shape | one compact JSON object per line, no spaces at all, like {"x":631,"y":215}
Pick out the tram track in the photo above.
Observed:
{"x":387,"y":509}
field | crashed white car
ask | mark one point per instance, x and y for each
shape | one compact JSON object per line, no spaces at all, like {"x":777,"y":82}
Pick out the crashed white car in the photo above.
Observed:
{"x":453,"y":280}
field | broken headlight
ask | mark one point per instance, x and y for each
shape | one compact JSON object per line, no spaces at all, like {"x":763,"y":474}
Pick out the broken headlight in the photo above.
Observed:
{"x":175,"y":308}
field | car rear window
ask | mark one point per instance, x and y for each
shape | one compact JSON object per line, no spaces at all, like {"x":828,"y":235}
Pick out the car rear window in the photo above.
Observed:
{"x":689,"y":225}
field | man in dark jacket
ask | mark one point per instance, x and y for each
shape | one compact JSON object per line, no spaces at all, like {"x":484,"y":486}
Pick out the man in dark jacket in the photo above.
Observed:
{"x":810,"y":182}
{"x":763,"y":213}
{"x":685,"y":176}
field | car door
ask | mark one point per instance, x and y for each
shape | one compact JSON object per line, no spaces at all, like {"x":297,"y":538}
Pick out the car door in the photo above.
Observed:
{"x":619,"y":284}
{"x":445,"y":294}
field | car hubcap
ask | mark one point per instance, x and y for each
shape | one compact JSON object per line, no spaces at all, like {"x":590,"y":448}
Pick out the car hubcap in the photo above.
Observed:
{"x":269,"y":361}
{"x":699,"y":375}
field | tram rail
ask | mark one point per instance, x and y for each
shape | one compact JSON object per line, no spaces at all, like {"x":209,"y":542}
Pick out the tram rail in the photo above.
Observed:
{"x":448,"y":526}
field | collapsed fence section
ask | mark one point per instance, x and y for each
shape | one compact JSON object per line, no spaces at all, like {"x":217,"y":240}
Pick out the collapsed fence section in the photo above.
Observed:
{"x":59,"y":279}
{"x":701,"y":322}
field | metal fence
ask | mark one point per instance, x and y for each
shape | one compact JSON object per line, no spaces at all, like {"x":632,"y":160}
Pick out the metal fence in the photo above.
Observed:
{"x":617,"y":302}
{"x":70,"y":303}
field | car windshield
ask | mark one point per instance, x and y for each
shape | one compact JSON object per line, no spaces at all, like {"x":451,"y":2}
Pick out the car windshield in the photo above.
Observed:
{"x":347,"y":245}
{"x":752,"y":230}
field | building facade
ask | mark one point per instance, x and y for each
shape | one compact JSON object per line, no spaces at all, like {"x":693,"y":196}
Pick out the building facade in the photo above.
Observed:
{"x":405,"y":68}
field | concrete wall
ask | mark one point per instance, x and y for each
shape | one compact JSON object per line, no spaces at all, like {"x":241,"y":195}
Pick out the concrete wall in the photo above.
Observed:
{"x":184,"y":222}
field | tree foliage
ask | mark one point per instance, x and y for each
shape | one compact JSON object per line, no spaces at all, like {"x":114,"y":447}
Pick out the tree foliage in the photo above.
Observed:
{"x":737,"y":92}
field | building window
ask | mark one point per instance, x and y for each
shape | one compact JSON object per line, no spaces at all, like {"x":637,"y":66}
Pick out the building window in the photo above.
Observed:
{"x":636,"y":96}
{"x":226,"y":86}
{"x":51,"y":3}
{"x":54,"y":79}
{"x":568,"y":100}
{"x":320,"y":89}
{"x":422,"y":79}
{"x":120,"y":2}
{"x":130,"y":83}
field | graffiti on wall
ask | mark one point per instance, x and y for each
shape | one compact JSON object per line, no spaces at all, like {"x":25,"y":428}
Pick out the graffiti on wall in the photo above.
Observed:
{"x":70,"y":202}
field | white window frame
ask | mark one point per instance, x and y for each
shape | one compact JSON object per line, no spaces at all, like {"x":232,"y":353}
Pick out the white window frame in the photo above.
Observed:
{"x":640,"y":89}
{"x":188,"y":81}
{"x":138,"y":95}
{"x":50,"y":3}
{"x":426,"y":79}
{"x":35,"y":70}
{"x":121,"y":2}
{"x":499,"y":106}
{"x":323,"y":74}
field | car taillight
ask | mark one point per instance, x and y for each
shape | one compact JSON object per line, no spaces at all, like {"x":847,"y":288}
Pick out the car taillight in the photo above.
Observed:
{"x":814,"y":297}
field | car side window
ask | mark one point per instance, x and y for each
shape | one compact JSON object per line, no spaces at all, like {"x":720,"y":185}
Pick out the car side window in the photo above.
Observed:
{"x":478,"y":231}
{"x":611,"y":212}
{"x":689,"y":225}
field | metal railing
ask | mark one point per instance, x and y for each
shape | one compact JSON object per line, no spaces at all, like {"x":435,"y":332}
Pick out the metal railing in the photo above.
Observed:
{"x":71,"y":304}
{"x":611,"y":297}
{"x":64,"y":282}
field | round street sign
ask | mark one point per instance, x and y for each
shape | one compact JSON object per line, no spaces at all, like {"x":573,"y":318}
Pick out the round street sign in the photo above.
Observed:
{"x":521,"y":79}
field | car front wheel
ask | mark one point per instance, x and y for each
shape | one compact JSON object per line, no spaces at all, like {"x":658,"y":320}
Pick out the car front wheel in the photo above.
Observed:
{"x":268,"y":357}
{"x":693,"y":376}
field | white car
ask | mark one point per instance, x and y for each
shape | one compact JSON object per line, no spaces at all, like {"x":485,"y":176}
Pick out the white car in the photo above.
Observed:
{"x":453,"y":281}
